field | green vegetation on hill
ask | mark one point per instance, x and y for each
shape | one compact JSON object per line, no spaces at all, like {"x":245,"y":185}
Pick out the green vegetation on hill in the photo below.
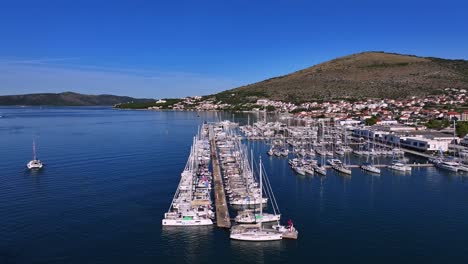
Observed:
{"x":66,"y":99}
{"x":239,"y":97}
{"x":145,"y":105}
{"x":362,"y":75}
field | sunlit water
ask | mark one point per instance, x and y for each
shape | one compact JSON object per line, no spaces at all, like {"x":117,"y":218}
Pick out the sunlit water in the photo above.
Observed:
{"x":110,"y":175}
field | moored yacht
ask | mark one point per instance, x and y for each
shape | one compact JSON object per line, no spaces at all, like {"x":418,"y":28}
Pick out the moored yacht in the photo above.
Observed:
{"x":299,"y":170}
{"x":370,"y":168}
{"x":342,"y":168}
{"x":448,"y":165}
{"x":256,"y":232}
{"x":320,"y":169}
{"x":399,"y":166}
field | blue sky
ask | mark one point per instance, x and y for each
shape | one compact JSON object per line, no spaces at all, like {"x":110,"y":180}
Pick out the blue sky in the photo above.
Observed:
{"x":178,"y":48}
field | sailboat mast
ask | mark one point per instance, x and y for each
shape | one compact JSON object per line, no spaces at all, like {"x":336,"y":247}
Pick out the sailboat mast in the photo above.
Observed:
{"x":261,"y":191}
{"x":251,"y":162}
{"x":34,"y":149}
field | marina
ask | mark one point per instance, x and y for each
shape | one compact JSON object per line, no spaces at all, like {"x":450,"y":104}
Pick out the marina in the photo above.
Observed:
{"x":333,"y":144}
{"x":220,"y":145}
{"x":239,"y":190}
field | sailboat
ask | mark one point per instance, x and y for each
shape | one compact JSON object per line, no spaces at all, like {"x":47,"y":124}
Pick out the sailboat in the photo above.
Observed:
{"x":35,"y":163}
{"x":320,"y":168}
{"x":340,"y":166}
{"x":369,"y":166}
{"x":256,"y":232}
{"x":399,"y":164}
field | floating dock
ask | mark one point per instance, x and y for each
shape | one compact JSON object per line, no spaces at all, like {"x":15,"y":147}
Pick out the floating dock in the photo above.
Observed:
{"x":222,"y":213}
{"x":290,"y":235}
{"x":385,"y":165}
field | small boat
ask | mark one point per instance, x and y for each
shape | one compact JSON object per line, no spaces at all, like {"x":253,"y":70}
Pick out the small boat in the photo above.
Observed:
{"x":300,"y":170}
{"x":448,"y":165}
{"x":270,"y":152}
{"x":370,"y":168}
{"x":284,"y":152}
{"x":320,"y":170}
{"x":342,"y":168}
{"x":333,"y":162}
{"x":340,"y":151}
{"x":399,"y":166}
{"x":309,"y":170}
{"x":188,"y":218}
{"x":254,"y":233}
{"x":35,"y":163}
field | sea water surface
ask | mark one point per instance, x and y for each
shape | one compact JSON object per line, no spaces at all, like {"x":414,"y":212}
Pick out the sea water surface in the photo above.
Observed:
{"x":110,"y":175}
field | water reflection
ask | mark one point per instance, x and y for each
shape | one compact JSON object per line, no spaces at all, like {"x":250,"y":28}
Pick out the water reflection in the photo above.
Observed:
{"x":187,"y":244}
{"x":256,"y":252}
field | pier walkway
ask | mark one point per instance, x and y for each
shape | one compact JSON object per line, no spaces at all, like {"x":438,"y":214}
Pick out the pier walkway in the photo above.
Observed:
{"x":222,"y":213}
{"x":386,"y":165}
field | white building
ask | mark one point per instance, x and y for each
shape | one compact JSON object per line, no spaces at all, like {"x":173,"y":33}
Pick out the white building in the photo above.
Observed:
{"x":425,"y":144}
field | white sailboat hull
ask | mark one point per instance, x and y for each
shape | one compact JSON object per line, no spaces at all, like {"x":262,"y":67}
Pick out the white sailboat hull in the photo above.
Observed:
{"x":181,"y":222}
{"x":254,"y":234}
{"x":342,"y":169}
{"x":447,"y":167}
{"x":321,"y":170}
{"x":370,"y":169}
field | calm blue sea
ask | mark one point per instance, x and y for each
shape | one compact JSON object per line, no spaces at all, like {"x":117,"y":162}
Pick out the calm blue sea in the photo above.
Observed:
{"x":110,"y":175}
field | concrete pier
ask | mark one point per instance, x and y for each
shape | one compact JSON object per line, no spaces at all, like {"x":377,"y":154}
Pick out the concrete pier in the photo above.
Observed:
{"x":222,"y":213}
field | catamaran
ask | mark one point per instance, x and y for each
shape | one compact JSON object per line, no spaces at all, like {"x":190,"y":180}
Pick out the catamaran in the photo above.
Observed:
{"x":35,"y":163}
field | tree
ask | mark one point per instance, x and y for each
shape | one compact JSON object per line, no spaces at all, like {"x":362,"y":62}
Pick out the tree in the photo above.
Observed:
{"x":462,"y":128}
{"x":371,"y":121}
{"x":437,"y":124}
{"x":270,"y":108}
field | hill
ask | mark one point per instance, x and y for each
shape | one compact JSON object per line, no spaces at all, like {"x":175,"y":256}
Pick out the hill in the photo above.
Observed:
{"x":66,"y":99}
{"x":361,"y":75}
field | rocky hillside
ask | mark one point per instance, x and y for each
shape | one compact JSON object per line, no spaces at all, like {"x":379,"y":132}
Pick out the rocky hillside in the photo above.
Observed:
{"x":362,"y":75}
{"x":66,"y":99}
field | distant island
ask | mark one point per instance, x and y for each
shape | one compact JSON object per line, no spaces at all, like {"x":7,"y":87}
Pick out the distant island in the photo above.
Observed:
{"x":68,"y":99}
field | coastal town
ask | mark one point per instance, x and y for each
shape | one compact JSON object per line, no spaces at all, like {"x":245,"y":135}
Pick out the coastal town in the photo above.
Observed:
{"x":449,"y":104}
{"x":435,"y":123}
